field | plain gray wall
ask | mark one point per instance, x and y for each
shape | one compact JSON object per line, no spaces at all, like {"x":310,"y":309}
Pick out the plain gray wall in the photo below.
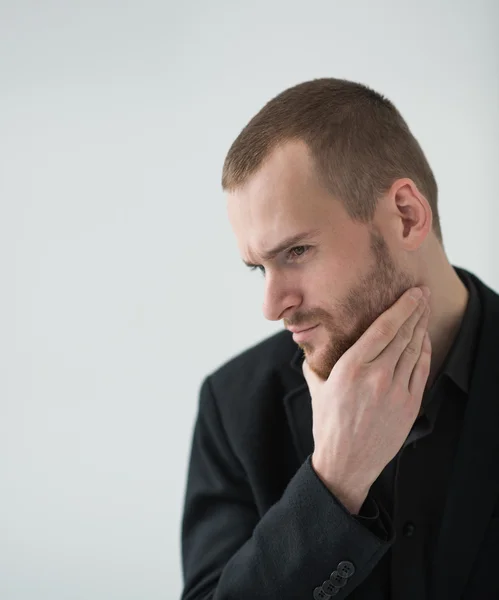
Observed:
{"x":121,"y":283}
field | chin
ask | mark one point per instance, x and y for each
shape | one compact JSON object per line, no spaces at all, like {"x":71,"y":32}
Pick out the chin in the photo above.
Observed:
{"x":318,"y":362}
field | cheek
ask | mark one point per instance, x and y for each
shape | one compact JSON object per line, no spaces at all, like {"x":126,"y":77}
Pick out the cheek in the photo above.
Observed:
{"x":324,"y":335}
{"x":327,"y":295}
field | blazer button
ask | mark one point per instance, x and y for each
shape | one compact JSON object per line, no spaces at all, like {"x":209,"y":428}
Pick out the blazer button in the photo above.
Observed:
{"x":345,"y":568}
{"x":329,"y":588}
{"x":320,"y":594}
{"x":408,"y":529}
{"x":337,"y":580}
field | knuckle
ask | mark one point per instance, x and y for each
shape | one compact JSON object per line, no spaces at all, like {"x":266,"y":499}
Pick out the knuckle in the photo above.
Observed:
{"x":406,"y":331}
{"x":411,"y":350}
{"x":399,"y":390}
{"x":385,"y":328}
{"x":380,"y":381}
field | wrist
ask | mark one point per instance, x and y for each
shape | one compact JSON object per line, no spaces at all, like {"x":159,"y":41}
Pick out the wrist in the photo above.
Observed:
{"x":351,"y":495}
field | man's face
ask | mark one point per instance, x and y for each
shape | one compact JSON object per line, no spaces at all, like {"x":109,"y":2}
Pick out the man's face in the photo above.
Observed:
{"x":340,"y":278}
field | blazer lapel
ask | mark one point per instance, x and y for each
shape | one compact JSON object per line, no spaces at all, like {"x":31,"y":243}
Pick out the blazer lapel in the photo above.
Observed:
{"x":474,"y":485}
{"x":298,"y":407}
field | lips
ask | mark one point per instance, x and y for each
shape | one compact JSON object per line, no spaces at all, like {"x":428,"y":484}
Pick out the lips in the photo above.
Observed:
{"x":300,"y":329}
{"x":301,"y":335}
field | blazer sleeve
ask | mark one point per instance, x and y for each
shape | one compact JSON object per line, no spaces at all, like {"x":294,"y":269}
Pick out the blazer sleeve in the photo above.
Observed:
{"x":229,"y":553}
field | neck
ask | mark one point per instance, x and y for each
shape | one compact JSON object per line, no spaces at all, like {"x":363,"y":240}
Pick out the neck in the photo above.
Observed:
{"x":448,"y":301}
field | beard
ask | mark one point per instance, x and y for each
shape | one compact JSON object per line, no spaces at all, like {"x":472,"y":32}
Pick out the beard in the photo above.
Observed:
{"x":375,"y":292}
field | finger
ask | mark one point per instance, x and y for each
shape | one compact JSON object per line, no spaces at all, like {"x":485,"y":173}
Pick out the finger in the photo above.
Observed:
{"x":421,"y":371}
{"x":390,"y":356}
{"x":384,"y":329}
{"x":412,"y":352}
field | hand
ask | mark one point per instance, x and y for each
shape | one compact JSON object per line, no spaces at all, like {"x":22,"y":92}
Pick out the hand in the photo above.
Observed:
{"x":364,"y":411}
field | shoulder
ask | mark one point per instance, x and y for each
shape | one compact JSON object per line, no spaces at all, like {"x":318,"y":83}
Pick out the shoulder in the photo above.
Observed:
{"x":253,"y":382}
{"x":255,"y":365}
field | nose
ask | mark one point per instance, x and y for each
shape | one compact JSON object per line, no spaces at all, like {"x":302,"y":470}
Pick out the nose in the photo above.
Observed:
{"x":278,"y":299}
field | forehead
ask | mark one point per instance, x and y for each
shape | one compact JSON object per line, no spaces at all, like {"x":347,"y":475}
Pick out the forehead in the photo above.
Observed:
{"x":281,"y":199}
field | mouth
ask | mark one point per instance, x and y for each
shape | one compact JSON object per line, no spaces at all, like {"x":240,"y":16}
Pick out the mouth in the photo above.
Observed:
{"x":302,"y":335}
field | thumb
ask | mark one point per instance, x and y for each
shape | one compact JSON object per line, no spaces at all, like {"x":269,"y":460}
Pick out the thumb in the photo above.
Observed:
{"x":312,"y":379}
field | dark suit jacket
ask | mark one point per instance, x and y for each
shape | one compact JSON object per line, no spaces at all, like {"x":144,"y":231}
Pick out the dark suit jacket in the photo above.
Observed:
{"x":259,"y":524}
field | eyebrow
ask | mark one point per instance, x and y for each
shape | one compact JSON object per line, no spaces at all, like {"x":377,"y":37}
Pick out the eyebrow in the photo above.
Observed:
{"x":285,"y":244}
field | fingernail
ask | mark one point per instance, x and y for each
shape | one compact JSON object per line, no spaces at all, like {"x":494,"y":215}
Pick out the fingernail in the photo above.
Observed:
{"x":416,"y":293}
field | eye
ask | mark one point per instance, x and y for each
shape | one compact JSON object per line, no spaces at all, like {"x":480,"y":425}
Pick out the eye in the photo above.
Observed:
{"x":294,"y":253}
{"x":298,"y":251}
{"x":260,"y":268}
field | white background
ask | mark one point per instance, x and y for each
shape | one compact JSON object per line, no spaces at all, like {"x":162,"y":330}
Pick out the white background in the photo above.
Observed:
{"x":122,"y":286}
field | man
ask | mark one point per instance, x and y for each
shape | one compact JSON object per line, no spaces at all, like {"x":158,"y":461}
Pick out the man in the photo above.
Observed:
{"x":370,"y":469}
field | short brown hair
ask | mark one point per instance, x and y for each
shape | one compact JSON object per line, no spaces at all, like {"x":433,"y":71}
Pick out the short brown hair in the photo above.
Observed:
{"x":358,"y":139}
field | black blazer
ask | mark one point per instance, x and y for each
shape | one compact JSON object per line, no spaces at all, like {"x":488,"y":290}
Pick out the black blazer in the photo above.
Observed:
{"x":259,"y":524}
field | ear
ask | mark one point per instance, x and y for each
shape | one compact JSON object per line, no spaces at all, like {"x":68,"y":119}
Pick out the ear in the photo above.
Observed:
{"x":411,"y":211}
